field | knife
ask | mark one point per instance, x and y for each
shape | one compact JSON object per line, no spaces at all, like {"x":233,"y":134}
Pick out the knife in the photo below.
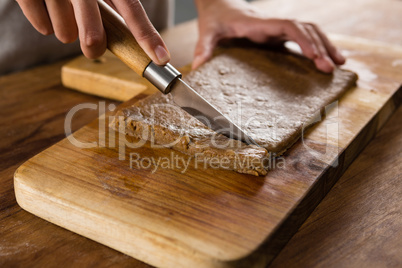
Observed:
{"x":166,"y":78}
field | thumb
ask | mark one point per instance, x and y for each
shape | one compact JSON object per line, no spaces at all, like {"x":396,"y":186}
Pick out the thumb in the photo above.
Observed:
{"x":204,"y":49}
{"x":142,"y":29}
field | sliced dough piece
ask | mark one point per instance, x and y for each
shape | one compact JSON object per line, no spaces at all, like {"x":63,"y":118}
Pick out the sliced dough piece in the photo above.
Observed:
{"x":158,"y":120}
{"x":269,"y":94}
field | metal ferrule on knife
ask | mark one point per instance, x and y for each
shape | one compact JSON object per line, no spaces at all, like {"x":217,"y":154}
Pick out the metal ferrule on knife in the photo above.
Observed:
{"x":162,"y":77}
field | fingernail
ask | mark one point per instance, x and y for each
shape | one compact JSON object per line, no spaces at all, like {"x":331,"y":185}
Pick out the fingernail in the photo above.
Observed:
{"x":340,"y":56}
{"x":316,"y":52}
{"x":196,"y":62}
{"x":325,"y":64}
{"x":162,"y":55}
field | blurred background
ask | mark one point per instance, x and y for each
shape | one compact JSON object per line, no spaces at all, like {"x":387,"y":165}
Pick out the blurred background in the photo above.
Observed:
{"x":185,"y":10}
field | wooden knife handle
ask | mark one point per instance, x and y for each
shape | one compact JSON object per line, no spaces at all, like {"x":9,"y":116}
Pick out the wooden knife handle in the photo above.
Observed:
{"x":120,"y":40}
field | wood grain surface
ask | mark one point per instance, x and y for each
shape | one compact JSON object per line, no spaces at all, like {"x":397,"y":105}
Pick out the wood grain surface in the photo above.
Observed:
{"x":106,"y":77}
{"x":33,"y":108}
{"x":173,"y":217}
{"x":359,"y":221}
{"x":351,"y":235}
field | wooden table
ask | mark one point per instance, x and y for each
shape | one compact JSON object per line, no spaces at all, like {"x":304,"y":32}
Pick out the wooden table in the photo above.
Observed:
{"x":359,"y":223}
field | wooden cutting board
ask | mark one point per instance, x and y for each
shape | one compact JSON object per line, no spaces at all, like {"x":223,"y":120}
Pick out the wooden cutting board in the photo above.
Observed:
{"x":205,"y":217}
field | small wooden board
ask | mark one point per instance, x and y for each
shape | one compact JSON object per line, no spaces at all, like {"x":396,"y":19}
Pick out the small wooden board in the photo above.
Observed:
{"x":208,"y":217}
{"x":106,"y":77}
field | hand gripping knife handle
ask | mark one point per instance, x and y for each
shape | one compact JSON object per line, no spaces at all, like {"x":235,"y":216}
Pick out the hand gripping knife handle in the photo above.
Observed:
{"x":122,"y":43}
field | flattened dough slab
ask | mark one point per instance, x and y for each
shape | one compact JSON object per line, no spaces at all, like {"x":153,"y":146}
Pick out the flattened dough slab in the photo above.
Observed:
{"x":271,"y":95}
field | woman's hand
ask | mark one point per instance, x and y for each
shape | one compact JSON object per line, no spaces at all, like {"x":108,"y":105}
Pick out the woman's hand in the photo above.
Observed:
{"x":219,"y":19}
{"x":69,"y":19}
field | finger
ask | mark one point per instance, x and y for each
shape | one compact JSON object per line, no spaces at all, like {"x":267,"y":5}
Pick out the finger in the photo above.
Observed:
{"x":61,"y":14}
{"x":90,"y":28}
{"x":292,"y":31}
{"x":143,"y":30}
{"x":333,"y":52}
{"x":110,"y":3}
{"x":35,"y":11}
{"x":323,"y":62}
{"x":204,"y":49}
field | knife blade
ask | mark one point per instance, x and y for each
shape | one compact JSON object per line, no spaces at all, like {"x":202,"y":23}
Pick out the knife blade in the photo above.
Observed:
{"x":193,"y":103}
{"x":166,"y":78}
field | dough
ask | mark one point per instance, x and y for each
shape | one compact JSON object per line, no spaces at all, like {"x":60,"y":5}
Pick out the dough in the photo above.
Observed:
{"x":158,"y":120}
{"x":269,"y":94}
